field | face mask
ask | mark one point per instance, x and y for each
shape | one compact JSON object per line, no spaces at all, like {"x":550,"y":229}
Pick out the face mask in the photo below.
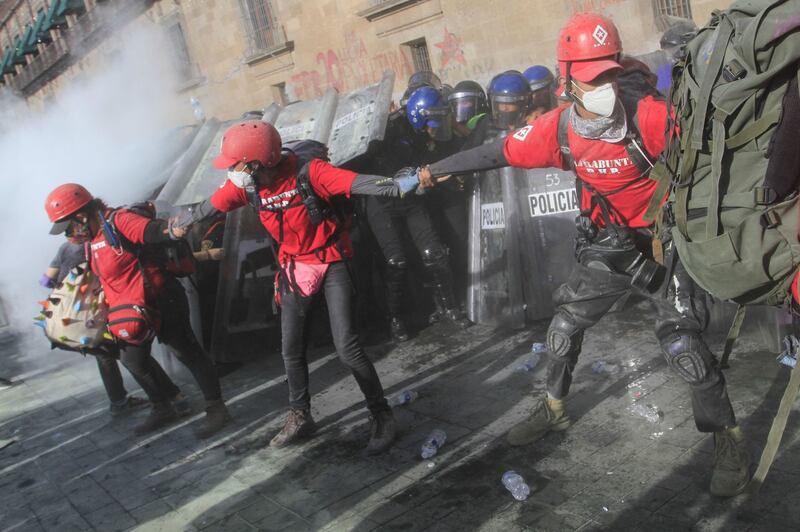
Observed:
{"x":241,"y":178}
{"x":600,"y":101}
{"x":78,"y":233}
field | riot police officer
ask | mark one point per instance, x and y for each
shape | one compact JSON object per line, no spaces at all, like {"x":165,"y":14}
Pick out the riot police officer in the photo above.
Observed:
{"x":543,"y":96}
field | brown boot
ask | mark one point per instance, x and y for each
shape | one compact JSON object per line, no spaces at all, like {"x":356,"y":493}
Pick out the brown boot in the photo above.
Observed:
{"x":382,"y":431}
{"x":731,"y":471}
{"x":299,"y":424}
{"x":217,"y":416}
{"x":161,"y":415}
{"x":548,"y":415}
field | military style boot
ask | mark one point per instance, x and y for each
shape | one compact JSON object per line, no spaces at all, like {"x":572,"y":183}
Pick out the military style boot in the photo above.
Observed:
{"x":382,"y":431}
{"x":398,"y":330}
{"x":217,"y":416}
{"x":731,"y":471}
{"x":161,"y":415}
{"x":299,"y":424}
{"x":129,"y":404}
{"x":548,"y":415}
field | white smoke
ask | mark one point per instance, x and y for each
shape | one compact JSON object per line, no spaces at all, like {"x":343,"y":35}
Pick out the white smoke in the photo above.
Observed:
{"x":107,"y":131}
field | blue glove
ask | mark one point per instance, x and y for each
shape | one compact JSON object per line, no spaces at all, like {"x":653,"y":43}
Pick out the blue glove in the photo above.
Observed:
{"x":406,"y":180}
{"x":47,"y":282}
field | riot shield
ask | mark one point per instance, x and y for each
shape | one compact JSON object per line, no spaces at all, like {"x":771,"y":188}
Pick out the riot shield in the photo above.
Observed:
{"x":309,"y":120}
{"x":494,"y":294}
{"x":548,"y":204}
{"x":360,"y":119}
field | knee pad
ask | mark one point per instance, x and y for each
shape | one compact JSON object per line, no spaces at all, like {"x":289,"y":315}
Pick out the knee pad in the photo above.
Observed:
{"x":685,"y":355}
{"x":432,"y":257}
{"x":398,"y":263}
{"x":564,"y":338}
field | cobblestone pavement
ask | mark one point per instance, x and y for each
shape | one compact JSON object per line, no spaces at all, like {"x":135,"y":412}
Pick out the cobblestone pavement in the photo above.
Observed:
{"x":73,"y":467}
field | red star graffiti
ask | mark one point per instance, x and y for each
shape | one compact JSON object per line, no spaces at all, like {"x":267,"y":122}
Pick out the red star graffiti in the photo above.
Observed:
{"x":451,"y":49}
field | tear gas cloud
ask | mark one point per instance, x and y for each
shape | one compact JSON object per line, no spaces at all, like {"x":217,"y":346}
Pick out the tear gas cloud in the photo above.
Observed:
{"x":107,"y":130}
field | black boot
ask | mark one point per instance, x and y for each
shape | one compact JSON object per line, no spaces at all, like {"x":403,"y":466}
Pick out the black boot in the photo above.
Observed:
{"x":446,"y":299}
{"x":398,"y":330}
{"x":161,"y":415}
{"x":382,"y":431}
{"x":217,"y":416}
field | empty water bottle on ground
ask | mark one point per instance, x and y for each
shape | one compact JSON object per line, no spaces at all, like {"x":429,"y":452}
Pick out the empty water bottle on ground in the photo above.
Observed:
{"x":601,"y":366}
{"x":433,"y":443}
{"x":790,"y":347}
{"x":516,"y":485}
{"x":403,"y":398}
{"x":537,"y":350}
{"x":650,"y":412}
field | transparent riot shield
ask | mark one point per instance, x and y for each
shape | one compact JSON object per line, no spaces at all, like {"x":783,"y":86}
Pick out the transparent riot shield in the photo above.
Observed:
{"x":360,"y":119}
{"x":548,"y":204}
{"x":494,"y":293}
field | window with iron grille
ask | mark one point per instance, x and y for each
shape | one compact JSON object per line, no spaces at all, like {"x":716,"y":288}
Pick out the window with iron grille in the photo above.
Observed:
{"x":674,"y":8}
{"x":419,"y":55}
{"x":263,"y":30}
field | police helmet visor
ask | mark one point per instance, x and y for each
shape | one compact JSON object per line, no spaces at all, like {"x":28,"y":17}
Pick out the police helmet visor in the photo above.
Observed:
{"x":464,"y":108}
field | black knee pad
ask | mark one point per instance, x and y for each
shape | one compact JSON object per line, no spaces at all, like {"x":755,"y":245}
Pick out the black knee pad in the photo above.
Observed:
{"x":398,"y":263}
{"x":688,"y":356}
{"x":435,"y":256}
{"x":564,"y":338}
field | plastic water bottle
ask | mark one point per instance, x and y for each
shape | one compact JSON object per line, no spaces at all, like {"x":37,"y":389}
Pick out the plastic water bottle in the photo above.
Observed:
{"x":650,"y":412}
{"x":197,"y":109}
{"x":537,"y":349}
{"x":403,"y":398}
{"x":601,"y":366}
{"x":516,"y":485}
{"x":433,"y":443}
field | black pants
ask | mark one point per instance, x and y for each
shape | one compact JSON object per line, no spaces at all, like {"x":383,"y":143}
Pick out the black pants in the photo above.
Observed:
{"x":386,"y":218}
{"x":447,"y":205}
{"x":112,"y":378}
{"x":338,"y":291}
{"x":682,"y":316}
{"x":177,"y":333}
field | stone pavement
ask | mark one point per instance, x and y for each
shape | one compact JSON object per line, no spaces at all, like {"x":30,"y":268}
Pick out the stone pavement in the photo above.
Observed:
{"x":73,"y":467}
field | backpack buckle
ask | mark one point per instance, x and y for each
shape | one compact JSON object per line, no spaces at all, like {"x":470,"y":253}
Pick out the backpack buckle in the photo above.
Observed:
{"x":733,"y":71}
{"x":770,"y":219}
{"x":765,"y":195}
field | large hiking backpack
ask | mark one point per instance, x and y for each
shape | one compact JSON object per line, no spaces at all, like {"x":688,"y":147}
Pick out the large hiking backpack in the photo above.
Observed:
{"x":73,"y":316}
{"x":732,"y":154}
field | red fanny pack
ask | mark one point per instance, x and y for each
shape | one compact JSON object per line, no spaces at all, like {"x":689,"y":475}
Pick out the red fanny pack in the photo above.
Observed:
{"x":133,"y":324}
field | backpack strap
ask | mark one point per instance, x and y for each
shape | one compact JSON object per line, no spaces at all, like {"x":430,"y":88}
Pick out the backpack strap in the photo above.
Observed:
{"x":733,"y":334}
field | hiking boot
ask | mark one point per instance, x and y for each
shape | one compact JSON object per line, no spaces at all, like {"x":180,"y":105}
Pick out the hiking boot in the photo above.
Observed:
{"x":161,"y":415}
{"x":181,"y":405}
{"x":731,"y":471}
{"x":398,"y":330}
{"x":130,"y":404}
{"x":382,"y":431}
{"x":299,"y":424}
{"x":217,"y":416}
{"x":548,"y":415}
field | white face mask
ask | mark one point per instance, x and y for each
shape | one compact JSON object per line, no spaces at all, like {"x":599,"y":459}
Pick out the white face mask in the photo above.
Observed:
{"x":241,"y":178}
{"x":600,"y":101}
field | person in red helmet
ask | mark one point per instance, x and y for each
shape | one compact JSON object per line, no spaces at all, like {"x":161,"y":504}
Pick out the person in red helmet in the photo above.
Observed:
{"x":290,"y":195}
{"x":610,"y":137}
{"x":144,"y":301}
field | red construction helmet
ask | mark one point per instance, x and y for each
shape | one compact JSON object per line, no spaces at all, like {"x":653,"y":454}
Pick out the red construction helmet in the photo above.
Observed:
{"x":252,"y":140}
{"x":64,"y":201}
{"x":589,"y":44}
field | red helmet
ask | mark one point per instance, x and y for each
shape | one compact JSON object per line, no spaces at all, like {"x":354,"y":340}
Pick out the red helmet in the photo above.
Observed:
{"x":64,"y":201}
{"x":589,"y":43}
{"x":252,"y":140}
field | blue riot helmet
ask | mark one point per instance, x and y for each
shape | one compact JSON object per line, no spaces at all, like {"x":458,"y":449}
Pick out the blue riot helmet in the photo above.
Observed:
{"x":509,"y":98}
{"x":542,"y":84}
{"x":427,"y":111}
{"x":423,"y":78}
{"x":467,"y":100}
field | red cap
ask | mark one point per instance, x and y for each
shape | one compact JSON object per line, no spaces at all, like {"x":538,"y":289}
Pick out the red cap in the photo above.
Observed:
{"x":586,"y":71}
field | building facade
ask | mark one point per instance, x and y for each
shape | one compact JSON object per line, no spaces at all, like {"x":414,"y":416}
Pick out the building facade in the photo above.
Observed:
{"x":235,"y":55}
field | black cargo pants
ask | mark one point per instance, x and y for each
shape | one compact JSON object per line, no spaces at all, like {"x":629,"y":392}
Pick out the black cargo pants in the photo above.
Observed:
{"x":681,"y":317}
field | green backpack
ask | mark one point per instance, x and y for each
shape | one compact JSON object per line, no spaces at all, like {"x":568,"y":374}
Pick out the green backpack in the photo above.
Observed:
{"x":735,"y":163}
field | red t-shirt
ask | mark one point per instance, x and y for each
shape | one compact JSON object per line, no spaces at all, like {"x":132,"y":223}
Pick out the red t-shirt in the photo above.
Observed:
{"x":118,"y":269}
{"x":603,"y":165}
{"x":301,"y":239}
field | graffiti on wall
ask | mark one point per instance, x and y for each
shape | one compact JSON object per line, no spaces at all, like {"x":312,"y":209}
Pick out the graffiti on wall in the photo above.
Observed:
{"x":451,"y":49}
{"x":593,"y":5}
{"x":348,"y":68}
